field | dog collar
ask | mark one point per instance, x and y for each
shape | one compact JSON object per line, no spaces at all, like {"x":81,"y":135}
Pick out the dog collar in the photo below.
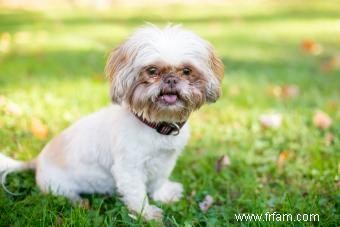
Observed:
{"x":164,"y":128}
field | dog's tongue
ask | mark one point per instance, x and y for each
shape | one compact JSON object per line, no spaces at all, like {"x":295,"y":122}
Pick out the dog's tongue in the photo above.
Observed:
{"x":170,"y":99}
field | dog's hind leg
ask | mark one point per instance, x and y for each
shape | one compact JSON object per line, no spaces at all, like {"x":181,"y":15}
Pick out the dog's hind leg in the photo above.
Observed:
{"x":52,"y":179}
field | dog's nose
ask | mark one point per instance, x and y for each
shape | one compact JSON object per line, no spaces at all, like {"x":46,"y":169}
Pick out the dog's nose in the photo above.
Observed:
{"x":171,"y":80}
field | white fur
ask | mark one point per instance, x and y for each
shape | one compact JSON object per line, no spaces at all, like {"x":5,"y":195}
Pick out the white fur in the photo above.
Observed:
{"x":7,"y":163}
{"x":111,"y":150}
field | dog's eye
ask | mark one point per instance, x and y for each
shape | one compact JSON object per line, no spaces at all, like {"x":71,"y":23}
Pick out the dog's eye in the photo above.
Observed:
{"x":186,"y":71}
{"x":152,"y":71}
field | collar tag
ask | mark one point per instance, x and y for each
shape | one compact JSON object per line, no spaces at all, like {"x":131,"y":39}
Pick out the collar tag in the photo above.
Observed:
{"x":168,"y":128}
{"x":164,"y":128}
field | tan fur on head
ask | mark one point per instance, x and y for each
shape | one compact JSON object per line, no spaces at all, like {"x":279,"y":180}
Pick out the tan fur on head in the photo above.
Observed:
{"x":217,"y":67}
{"x":173,"y":47}
{"x":117,"y":61}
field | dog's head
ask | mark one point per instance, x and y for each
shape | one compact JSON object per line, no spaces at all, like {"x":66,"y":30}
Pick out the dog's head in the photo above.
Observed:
{"x":164,"y":74}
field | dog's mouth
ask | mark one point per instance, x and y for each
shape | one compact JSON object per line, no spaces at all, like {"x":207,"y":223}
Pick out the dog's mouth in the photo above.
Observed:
{"x":168,"y":98}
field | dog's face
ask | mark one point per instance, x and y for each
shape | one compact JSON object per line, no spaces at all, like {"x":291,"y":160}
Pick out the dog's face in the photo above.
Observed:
{"x":164,"y":74}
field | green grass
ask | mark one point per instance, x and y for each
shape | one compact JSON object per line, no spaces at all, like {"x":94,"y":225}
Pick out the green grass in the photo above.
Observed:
{"x":53,"y":70}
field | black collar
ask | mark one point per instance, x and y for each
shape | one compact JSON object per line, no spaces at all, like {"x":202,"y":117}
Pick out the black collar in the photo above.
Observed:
{"x":164,"y":128}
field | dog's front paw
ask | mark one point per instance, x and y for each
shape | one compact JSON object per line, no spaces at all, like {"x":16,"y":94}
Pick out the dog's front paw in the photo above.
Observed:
{"x":152,"y":212}
{"x":169,"y":192}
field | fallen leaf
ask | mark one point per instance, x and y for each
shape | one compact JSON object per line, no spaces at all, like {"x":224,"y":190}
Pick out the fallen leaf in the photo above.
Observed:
{"x":329,"y":138}
{"x":222,"y":162}
{"x":85,"y":204}
{"x":322,"y":120}
{"x":12,"y":108}
{"x":271,"y":120}
{"x":206,"y":203}
{"x":285,"y":91}
{"x":290,"y":91}
{"x":39,"y":129}
{"x":309,"y":46}
{"x":282,"y":158}
{"x":331,"y":64}
{"x":5,"y":42}
{"x":275,"y":91}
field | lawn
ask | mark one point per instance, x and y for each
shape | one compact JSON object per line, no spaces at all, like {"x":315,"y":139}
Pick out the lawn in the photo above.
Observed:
{"x":281,"y":58}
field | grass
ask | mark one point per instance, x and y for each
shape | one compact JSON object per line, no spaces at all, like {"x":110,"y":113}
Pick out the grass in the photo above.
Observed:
{"x":52,"y":64}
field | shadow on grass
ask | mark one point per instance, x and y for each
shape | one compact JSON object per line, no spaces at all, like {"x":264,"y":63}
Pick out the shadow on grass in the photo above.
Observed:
{"x":50,"y":67}
{"x":11,"y":20}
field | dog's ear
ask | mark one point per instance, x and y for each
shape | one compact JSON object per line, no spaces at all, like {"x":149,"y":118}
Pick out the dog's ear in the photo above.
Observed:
{"x":117,"y":70}
{"x":214,"y":83}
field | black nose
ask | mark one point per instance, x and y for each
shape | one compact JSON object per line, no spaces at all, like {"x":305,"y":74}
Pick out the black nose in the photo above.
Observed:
{"x":170,"y":80}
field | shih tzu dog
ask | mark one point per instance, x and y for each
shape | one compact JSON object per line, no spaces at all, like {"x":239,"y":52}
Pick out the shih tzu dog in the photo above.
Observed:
{"x":157,"y":78}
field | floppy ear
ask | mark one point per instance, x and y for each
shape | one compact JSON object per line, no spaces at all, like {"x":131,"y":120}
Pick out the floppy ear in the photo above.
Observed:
{"x":214,"y":83}
{"x":117,"y":70}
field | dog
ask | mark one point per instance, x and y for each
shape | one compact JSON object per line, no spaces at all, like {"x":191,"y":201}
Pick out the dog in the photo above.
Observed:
{"x":158,"y":77}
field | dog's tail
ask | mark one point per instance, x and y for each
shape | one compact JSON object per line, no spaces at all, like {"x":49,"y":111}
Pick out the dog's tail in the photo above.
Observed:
{"x":8,"y":165}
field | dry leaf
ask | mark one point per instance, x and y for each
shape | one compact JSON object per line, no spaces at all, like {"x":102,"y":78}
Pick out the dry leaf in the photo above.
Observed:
{"x":311,"y":47}
{"x":206,"y":203}
{"x":290,"y":91}
{"x":322,"y":120}
{"x":275,"y":91}
{"x":329,"y":138}
{"x":12,"y":108}
{"x":85,"y":204}
{"x":331,"y":64}
{"x":39,"y":129}
{"x":271,"y":120}
{"x":282,"y":158}
{"x":5,"y":42}
{"x":285,"y":91}
{"x":222,"y":162}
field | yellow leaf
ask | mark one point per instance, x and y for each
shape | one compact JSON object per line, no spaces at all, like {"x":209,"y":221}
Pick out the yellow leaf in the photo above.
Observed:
{"x":282,"y":158}
{"x":311,"y":47}
{"x":5,"y":42}
{"x":39,"y":129}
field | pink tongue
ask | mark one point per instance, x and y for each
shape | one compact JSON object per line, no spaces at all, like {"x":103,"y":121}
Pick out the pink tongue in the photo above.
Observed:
{"x":171,"y":99}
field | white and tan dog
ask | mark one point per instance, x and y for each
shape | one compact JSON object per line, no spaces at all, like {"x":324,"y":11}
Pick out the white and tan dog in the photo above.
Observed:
{"x":158,"y":77}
